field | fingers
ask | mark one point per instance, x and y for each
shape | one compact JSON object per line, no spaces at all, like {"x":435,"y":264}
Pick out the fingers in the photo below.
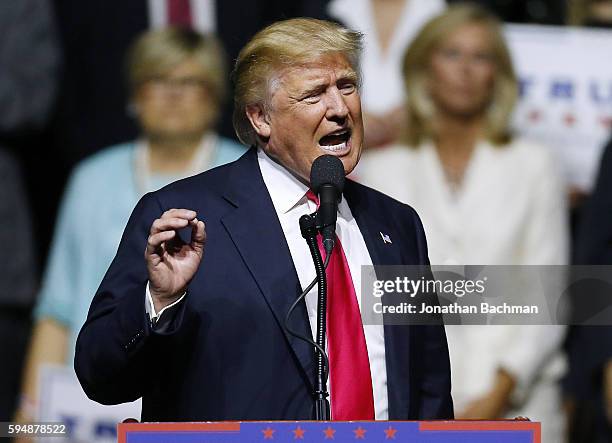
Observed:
{"x":168,"y":224}
{"x":165,"y":229}
{"x":156,"y":240}
{"x":198,"y":233}
{"x":181,"y":213}
{"x":172,"y":219}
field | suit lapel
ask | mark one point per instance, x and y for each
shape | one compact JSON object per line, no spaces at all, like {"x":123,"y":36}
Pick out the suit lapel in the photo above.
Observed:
{"x":257,"y":234}
{"x":373,"y":225}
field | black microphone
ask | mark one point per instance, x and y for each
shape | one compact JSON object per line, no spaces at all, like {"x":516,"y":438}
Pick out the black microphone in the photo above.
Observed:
{"x":327,"y":181}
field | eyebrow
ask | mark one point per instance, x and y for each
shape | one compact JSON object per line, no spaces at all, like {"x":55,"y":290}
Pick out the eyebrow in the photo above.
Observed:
{"x":348,"y":75}
{"x":317,"y":87}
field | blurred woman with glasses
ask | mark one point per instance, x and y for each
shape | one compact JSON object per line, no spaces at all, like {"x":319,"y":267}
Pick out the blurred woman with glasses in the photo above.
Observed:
{"x":177,"y":83}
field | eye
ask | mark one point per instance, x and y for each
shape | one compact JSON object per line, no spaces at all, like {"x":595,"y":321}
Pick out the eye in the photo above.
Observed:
{"x":313,"y":97}
{"x":348,"y":88}
{"x":484,"y":57}
{"x":450,"y":53}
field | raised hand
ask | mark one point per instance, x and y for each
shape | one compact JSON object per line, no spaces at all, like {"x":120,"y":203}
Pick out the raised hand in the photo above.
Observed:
{"x":172,"y":263}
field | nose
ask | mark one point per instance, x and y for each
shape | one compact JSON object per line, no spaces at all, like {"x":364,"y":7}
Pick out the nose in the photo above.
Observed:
{"x":465,"y":64}
{"x":336,"y":105}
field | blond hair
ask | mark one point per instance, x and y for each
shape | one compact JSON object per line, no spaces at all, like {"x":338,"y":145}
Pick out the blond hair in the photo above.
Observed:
{"x":283,"y":44}
{"x":157,"y":52}
{"x":417,"y":58}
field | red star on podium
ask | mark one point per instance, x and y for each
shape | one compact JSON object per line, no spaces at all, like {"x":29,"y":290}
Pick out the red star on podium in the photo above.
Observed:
{"x":359,"y":432}
{"x":329,"y":432}
{"x":298,"y":433}
{"x":268,"y":433}
{"x":390,"y":433}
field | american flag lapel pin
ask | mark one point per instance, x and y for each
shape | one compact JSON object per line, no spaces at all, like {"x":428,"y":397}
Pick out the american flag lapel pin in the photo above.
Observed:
{"x":386,"y":238}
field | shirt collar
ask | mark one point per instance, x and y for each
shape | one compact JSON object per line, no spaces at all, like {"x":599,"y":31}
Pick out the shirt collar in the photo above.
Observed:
{"x":286,"y":191}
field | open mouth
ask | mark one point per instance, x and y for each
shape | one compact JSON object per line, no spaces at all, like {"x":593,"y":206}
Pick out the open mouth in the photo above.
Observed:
{"x":336,"y":142}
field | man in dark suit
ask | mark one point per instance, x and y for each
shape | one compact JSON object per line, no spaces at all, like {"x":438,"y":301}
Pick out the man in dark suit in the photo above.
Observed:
{"x":196,"y":328}
{"x":589,"y":382}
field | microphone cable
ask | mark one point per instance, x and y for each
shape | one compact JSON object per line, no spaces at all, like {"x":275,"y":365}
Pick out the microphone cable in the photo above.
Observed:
{"x":303,"y":337}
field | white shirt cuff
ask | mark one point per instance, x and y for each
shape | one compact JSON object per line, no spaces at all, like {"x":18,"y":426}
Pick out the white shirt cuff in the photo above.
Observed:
{"x":150,"y":307}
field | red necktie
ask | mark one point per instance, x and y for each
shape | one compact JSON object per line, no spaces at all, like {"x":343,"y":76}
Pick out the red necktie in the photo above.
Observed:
{"x":179,"y":13}
{"x":350,"y":378}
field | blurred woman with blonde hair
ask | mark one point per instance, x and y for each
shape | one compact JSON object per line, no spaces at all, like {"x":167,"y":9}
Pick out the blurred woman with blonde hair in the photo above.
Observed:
{"x":485,"y":198}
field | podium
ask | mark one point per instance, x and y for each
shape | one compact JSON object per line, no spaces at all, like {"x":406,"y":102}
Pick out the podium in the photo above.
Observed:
{"x":499,"y":431}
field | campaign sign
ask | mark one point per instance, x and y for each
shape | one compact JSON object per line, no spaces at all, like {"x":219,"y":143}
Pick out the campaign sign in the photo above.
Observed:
{"x":62,"y":400}
{"x":565,"y":77}
{"x":502,"y":431}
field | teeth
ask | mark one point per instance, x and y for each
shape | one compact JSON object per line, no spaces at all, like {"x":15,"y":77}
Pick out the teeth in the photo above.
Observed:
{"x":338,"y":134}
{"x":334,"y":148}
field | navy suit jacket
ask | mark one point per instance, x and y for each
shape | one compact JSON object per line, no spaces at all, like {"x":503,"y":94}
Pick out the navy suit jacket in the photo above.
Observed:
{"x":225,"y":354}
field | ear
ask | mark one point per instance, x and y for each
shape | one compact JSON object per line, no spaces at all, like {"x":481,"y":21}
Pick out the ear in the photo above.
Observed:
{"x":259,"y":120}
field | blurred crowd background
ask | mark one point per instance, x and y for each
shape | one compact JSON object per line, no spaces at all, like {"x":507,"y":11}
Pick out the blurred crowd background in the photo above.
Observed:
{"x":102,"y":101}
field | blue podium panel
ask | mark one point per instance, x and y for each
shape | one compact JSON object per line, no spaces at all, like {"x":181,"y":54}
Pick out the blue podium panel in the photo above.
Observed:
{"x":502,"y":431}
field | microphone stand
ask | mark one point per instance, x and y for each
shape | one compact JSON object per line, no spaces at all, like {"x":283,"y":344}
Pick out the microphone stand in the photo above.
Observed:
{"x":308,"y":227}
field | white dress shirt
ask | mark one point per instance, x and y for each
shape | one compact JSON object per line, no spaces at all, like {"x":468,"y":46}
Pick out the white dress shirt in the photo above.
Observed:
{"x":288,"y":196}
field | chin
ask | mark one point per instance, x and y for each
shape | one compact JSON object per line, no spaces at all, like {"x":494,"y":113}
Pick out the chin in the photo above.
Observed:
{"x":349,"y":165}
